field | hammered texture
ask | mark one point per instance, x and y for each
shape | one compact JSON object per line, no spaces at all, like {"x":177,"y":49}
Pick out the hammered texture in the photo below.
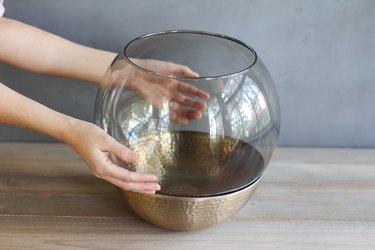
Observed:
{"x":187,"y":213}
{"x":197,"y":164}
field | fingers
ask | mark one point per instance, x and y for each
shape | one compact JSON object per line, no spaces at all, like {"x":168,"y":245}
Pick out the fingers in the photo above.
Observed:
{"x":177,"y":118}
{"x":122,"y":152}
{"x":182,"y":107}
{"x":178,"y":91}
{"x":128,"y":180}
{"x":189,"y":89}
{"x":182,"y":114}
{"x":190,"y":102}
{"x":178,"y":69}
{"x":123,"y":178}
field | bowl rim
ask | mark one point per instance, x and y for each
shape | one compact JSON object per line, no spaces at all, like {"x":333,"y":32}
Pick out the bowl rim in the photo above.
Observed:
{"x":204,"y":33}
{"x":252,"y":185}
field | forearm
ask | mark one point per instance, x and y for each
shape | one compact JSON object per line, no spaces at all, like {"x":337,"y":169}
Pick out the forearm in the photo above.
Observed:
{"x":21,"y":111}
{"x":32,"y":49}
{"x":35,"y":50}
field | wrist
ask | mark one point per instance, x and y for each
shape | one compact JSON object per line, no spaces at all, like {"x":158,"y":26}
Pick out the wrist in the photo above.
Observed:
{"x":65,"y":131}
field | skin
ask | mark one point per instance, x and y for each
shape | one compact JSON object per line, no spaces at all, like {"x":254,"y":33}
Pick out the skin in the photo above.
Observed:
{"x":161,"y":90}
{"x":29,"y":48}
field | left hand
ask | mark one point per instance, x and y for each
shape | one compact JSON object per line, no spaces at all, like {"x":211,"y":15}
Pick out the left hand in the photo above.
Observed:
{"x":95,"y":146}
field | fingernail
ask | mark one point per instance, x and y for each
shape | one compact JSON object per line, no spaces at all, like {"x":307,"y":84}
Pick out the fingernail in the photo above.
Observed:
{"x":155,"y":187}
{"x":152,"y":178}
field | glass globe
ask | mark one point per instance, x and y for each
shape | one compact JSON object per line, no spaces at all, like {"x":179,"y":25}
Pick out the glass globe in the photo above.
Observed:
{"x":200,"y":110}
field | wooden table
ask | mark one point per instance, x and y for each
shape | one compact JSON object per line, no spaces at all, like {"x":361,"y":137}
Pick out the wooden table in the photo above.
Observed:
{"x":308,"y":199}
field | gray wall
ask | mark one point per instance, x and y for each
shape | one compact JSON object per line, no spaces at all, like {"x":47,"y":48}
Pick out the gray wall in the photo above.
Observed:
{"x":321,"y":54}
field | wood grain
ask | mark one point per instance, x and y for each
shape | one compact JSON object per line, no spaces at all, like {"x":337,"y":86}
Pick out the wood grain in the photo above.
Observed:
{"x":309,"y":198}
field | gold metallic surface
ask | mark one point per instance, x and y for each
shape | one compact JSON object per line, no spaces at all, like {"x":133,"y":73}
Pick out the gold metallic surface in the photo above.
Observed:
{"x":196,"y":164}
{"x":187,"y":213}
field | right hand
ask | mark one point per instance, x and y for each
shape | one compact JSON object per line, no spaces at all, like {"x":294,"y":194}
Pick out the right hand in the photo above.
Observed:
{"x":161,"y":90}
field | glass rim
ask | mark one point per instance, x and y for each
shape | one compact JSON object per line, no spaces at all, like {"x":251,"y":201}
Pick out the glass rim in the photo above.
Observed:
{"x":239,"y":72}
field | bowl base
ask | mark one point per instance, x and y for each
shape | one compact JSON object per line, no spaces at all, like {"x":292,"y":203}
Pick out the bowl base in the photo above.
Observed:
{"x":187,"y":213}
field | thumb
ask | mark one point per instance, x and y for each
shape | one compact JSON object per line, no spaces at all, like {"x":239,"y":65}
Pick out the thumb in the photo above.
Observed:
{"x":122,"y":152}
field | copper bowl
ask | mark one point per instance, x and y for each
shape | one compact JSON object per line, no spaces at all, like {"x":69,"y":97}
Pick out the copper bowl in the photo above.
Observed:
{"x":187,"y":213}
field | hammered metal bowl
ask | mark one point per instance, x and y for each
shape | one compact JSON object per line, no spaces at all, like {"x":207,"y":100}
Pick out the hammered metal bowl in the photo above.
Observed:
{"x":187,"y":213}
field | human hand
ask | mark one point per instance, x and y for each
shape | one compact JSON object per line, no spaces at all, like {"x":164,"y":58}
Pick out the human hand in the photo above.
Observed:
{"x":94,"y":146}
{"x":161,"y":90}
